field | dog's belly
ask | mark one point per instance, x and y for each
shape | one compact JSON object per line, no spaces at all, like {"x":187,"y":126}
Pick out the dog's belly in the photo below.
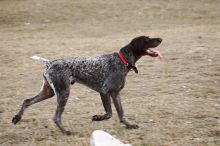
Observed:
{"x":90,"y":79}
{"x":102,"y":83}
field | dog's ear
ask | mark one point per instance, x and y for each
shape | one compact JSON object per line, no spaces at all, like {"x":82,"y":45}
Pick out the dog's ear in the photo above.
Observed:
{"x":139,"y":43}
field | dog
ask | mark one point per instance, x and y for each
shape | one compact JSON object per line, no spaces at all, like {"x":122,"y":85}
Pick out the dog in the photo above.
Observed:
{"x":105,"y":74}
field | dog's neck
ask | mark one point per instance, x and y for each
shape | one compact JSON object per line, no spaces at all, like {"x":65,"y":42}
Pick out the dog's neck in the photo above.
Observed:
{"x":129,"y":55}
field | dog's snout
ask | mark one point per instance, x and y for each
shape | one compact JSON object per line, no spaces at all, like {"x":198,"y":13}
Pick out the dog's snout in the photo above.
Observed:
{"x":159,"y":40}
{"x":155,"y":42}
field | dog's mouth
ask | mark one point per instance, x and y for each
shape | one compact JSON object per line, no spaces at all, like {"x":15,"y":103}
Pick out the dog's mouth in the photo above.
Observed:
{"x":153,"y":53}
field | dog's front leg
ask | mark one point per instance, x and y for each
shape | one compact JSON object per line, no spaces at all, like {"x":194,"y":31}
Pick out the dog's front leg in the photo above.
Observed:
{"x":118,"y":106}
{"x":106,"y":101}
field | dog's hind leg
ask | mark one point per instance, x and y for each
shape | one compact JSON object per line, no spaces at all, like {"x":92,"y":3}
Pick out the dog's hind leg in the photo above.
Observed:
{"x":45,"y":93}
{"x":62,"y":90}
{"x":106,"y":101}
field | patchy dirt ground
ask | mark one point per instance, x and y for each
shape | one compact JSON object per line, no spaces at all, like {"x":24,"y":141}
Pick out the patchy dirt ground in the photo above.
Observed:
{"x":175,"y":101}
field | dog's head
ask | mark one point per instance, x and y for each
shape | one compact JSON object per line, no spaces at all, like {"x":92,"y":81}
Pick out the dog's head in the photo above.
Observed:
{"x":143,"y":46}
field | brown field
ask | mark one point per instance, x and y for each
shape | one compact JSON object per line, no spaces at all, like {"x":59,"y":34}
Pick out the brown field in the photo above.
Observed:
{"x":176,"y":101}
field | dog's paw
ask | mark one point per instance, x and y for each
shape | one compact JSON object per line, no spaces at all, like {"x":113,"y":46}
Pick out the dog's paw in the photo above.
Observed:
{"x":97,"y":118}
{"x":132,"y":126}
{"x":16,"y":119}
{"x":101,"y":117}
{"x":68,"y":133}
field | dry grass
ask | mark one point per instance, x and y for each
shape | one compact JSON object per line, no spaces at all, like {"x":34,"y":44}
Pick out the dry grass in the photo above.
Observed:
{"x":175,"y":101}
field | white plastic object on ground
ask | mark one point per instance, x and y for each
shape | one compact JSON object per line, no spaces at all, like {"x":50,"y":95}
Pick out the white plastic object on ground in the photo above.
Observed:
{"x":101,"y":138}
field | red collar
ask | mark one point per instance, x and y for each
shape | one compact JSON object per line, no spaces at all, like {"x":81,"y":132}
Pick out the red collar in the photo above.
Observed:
{"x":122,"y":58}
{"x":129,"y":66}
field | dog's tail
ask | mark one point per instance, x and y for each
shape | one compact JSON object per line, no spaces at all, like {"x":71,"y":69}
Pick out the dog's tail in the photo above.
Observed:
{"x":41,"y":59}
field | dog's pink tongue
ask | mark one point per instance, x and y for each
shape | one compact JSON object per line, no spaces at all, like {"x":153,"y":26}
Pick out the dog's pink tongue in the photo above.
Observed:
{"x":154,"y":53}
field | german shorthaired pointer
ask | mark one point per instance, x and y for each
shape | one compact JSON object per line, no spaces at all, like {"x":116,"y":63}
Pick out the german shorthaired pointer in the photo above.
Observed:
{"x":105,"y":74}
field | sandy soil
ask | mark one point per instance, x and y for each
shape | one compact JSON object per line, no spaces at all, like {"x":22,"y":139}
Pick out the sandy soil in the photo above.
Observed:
{"x":175,"y":101}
